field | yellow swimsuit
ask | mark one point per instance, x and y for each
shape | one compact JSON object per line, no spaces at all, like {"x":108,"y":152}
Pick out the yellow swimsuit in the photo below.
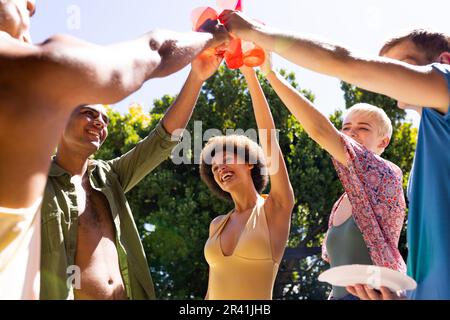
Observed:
{"x":20,"y":244}
{"x":250,"y":272}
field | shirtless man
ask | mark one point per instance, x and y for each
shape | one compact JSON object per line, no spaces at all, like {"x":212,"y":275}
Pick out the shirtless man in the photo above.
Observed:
{"x":40,"y":86}
{"x":87,"y":225}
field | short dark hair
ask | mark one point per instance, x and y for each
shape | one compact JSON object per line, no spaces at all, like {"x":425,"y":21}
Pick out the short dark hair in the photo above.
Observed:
{"x":432,"y":43}
{"x":242,"y":146}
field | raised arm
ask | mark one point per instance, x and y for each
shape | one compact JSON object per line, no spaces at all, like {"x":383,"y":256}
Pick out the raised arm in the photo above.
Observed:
{"x":281,"y":193}
{"x":150,"y":152}
{"x":316,"y":124}
{"x":179,"y":114}
{"x":71,"y":72}
{"x":418,"y":86}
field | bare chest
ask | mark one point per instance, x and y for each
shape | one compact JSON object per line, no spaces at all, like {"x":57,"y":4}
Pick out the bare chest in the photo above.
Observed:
{"x":95,"y":216}
{"x":97,"y":254}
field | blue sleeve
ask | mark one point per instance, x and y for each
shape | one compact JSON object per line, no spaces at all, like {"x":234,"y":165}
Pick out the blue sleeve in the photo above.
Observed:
{"x":444,"y":69}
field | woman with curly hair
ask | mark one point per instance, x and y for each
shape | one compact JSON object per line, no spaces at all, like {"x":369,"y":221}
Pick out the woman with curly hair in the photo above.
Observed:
{"x":245,"y":246}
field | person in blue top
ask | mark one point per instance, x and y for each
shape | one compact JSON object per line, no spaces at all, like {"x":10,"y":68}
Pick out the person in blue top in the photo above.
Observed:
{"x":429,"y":184}
{"x":414,"y":69}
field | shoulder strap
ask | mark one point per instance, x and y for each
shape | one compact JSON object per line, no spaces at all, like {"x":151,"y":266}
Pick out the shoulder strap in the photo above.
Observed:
{"x":222,"y":223}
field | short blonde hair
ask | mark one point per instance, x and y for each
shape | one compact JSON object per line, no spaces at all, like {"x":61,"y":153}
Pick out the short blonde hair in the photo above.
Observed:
{"x":384,"y":124}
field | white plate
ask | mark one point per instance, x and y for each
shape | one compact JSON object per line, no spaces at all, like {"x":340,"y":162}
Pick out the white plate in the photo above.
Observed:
{"x":373,"y":276}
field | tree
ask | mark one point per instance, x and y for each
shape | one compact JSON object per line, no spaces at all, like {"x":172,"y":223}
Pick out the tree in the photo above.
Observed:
{"x":173,"y":208}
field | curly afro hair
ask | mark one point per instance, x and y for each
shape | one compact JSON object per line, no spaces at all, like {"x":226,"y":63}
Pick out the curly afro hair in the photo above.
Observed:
{"x":241,"y":145}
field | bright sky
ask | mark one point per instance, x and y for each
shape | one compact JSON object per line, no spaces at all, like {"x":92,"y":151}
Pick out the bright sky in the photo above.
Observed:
{"x":360,"y":24}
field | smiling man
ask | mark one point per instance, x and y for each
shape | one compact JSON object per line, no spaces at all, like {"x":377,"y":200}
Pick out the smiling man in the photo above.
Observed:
{"x":78,"y":192}
{"x":91,"y":248}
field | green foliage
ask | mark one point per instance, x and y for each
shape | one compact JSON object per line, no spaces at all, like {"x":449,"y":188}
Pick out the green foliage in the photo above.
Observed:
{"x":180,"y":207}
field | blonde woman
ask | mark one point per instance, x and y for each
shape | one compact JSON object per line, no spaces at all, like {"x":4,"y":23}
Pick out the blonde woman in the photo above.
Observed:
{"x":366,"y":221}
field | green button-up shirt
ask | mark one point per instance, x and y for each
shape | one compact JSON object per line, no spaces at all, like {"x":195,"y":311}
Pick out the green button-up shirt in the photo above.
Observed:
{"x":60,"y":218}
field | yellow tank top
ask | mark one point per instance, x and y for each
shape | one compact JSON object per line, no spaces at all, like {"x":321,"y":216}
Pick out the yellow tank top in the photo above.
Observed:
{"x":250,"y":272}
{"x":20,"y":252}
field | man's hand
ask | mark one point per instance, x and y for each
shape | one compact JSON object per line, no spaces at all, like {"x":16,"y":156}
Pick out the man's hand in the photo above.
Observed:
{"x":239,"y":24}
{"x":364,"y":292}
{"x":221,"y":37}
{"x":180,"y":112}
{"x":206,"y":64}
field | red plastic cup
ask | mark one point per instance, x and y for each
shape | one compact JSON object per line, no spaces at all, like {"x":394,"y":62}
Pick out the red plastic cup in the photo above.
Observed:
{"x":200,"y":15}
{"x":233,"y":56}
{"x":229,"y":5}
{"x":254,"y":57}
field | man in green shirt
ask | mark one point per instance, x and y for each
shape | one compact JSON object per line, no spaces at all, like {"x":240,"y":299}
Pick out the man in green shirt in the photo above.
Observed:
{"x":90,"y":244}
